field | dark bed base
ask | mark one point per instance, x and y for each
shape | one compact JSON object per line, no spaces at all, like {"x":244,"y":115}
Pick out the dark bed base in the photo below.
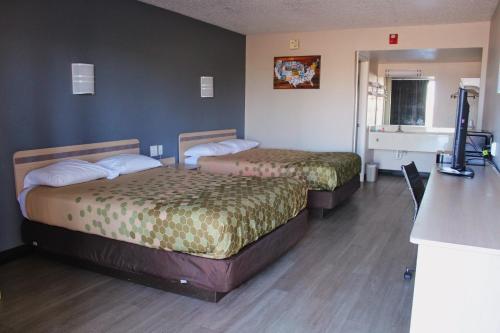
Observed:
{"x":330,"y":199}
{"x":203,"y":278}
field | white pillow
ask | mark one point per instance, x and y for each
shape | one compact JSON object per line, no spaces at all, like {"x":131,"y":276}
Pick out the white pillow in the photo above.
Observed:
{"x":238,"y":145}
{"x":192,"y":160}
{"x":129,"y":163}
{"x":209,"y":149}
{"x":67,"y":172}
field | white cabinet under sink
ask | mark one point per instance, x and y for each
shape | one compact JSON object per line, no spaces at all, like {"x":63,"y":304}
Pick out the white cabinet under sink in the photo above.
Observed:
{"x":390,"y":149}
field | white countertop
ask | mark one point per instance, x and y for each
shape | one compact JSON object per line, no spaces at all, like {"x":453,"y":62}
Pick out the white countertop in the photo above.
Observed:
{"x":412,"y":129}
{"x":460,"y":212}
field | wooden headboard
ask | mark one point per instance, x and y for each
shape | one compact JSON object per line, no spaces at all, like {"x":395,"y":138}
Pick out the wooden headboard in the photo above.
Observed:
{"x":27,"y":160}
{"x":187,"y":140}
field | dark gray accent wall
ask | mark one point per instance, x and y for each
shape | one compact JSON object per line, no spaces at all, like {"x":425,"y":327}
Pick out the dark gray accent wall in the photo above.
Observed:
{"x":148,"y":63}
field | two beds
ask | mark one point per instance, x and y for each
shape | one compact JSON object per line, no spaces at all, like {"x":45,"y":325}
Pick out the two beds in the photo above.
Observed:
{"x":196,"y":233}
{"x":331,"y":177}
{"x":193,"y":233}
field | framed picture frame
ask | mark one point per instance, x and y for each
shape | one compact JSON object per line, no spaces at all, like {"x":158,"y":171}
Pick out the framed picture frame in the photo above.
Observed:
{"x":297,"y":72}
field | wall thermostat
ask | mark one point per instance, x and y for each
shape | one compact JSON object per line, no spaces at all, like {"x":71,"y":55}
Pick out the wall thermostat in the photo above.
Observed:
{"x":293,"y":44}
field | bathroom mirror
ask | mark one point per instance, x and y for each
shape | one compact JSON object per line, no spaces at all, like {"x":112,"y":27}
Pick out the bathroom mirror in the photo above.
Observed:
{"x":417,"y":87}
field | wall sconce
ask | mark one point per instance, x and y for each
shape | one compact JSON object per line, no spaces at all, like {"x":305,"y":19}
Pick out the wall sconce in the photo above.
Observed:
{"x":207,"y":86}
{"x":83,"y":79}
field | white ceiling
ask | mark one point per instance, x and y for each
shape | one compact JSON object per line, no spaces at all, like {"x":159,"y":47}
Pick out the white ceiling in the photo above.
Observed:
{"x":264,"y":16}
{"x":473,"y":54}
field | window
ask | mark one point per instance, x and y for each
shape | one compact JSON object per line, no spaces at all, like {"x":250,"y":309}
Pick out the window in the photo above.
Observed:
{"x":408,"y":102}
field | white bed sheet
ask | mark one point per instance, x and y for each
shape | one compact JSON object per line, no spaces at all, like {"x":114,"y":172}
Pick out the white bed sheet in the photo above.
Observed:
{"x":22,"y":200}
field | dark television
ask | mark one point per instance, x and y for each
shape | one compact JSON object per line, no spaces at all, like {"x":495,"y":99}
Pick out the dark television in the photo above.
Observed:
{"x":458,"y":165}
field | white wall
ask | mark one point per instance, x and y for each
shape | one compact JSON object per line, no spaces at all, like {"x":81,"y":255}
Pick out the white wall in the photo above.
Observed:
{"x":323,"y":119}
{"x":492,"y":101}
{"x":447,"y":77}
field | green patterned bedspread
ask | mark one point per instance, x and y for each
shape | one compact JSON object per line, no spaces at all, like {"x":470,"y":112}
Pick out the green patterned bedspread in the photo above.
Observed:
{"x":213,"y":216}
{"x":321,"y":171}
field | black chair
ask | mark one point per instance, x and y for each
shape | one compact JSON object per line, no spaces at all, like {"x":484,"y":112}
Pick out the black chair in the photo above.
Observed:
{"x":417,"y":189}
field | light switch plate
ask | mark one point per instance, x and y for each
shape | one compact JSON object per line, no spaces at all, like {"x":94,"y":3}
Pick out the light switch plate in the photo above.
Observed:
{"x":153,"y":151}
{"x":160,"y":150}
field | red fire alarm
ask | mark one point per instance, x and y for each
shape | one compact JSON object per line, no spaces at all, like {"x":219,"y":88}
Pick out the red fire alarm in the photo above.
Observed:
{"x":393,"y":38}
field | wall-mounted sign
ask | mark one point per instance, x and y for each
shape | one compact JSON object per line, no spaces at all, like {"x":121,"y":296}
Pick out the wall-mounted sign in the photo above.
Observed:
{"x":301,"y":72}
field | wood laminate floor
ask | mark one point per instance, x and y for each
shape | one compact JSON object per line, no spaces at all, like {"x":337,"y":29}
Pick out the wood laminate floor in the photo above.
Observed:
{"x":344,"y":276}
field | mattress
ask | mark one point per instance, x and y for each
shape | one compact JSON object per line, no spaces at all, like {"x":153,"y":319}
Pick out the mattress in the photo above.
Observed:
{"x":321,"y":171}
{"x":201,"y":214}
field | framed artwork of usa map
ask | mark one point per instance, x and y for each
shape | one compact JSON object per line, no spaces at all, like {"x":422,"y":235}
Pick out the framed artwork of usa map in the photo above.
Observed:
{"x":301,"y":72}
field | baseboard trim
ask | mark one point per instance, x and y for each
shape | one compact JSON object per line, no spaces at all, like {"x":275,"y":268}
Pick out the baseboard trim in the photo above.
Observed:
{"x":15,"y":253}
